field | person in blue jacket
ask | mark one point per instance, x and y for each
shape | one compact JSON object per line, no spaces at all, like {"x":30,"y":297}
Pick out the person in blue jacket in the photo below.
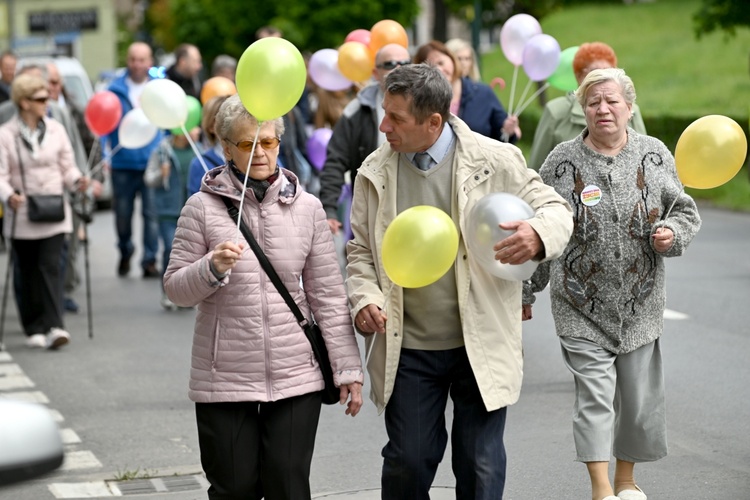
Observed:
{"x":213,"y":154}
{"x":128,"y":165}
{"x":474,"y":102}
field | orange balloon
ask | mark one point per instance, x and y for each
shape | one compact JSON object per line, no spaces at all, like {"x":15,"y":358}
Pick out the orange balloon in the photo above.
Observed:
{"x":218,"y":85}
{"x":355,"y":62}
{"x":385,"y":32}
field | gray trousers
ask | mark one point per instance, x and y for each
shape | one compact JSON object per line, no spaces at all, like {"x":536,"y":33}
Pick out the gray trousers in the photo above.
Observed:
{"x":620,"y":395}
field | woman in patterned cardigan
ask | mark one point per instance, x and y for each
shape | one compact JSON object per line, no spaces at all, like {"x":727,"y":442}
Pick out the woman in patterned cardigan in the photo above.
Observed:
{"x":608,"y":288}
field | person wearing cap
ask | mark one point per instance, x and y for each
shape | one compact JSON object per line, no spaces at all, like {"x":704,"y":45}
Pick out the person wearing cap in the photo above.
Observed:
{"x":563,"y":118}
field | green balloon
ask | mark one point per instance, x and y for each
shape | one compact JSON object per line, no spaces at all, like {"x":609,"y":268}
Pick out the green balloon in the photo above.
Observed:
{"x":193,"y":117}
{"x":563,"y":78}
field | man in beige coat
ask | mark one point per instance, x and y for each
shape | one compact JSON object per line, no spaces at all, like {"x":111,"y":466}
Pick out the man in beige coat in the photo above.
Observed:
{"x":460,"y":336}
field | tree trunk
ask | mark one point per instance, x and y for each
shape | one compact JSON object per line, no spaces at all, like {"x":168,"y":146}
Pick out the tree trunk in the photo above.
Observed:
{"x":440,"y":23}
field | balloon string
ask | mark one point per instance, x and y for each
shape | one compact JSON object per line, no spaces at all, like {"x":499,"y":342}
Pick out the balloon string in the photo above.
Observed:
{"x":99,"y":165}
{"x":523,"y":95}
{"x":244,"y":183}
{"x":375,"y":338}
{"x":195,"y":148}
{"x":531,"y":99}
{"x":512,"y":90}
{"x":92,"y":153}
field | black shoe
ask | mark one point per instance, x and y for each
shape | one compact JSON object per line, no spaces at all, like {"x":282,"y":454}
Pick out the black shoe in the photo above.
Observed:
{"x":70,"y":305}
{"x":124,"y":268}
{"x":150,"y":271}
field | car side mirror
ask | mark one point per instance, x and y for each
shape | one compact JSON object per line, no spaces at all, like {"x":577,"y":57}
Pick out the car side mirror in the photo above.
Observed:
{"x":30,"y":443}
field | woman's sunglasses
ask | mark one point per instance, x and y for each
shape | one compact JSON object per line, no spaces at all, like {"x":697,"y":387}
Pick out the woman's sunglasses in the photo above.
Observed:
{"x":247,"y":146}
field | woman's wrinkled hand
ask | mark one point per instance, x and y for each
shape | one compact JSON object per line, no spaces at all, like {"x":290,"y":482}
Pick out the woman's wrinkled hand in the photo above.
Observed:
{"x":663,"y":239}
{"x":353,"y":392}
{"x":226,"y":255}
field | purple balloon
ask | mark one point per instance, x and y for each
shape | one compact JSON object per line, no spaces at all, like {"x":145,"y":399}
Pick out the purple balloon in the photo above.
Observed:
{"x":324,"y":70}
{"x":316,"y":146}
{"x":541,"y":55}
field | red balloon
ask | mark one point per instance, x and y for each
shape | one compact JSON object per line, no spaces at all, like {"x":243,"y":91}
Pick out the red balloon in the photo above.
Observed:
{"x":103,"y":113}
{"x":361,"y":36}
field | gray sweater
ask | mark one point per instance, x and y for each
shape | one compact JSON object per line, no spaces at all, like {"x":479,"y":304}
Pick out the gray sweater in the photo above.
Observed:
{"x":608,"y":286}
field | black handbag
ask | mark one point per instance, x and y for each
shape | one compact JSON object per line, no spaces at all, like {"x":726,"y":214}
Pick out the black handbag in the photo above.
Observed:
{"x":41,"y":207}
{"x":45,"y":207}
{"x":330,"y":393}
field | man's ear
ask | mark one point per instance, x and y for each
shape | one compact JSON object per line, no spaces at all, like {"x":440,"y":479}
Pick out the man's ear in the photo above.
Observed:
{"x":436,"y":122}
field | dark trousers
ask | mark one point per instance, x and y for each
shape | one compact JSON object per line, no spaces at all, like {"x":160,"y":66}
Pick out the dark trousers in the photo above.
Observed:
{"x":251,"y":450}
{"x":39,"y":303}
{"x":126,"y":185}
{"x":417,"y":435}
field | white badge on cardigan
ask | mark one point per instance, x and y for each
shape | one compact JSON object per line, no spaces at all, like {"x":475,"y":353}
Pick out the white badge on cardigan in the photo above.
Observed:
{"x":591,"y":195}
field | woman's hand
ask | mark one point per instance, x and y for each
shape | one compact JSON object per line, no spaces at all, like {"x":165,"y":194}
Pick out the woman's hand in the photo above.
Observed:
{"x":511,"y":126}
{"x":371,"y":319}
{"x":225,"y":256}
{"x":355,"y":403}
{"x":82,"y":184}
{"x":16,"y":200}
{"x":663,"y":239}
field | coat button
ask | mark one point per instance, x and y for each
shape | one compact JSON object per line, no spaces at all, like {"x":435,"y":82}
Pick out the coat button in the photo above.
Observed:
{"x":476,"y":177}
{"x":615,"y":218}
{"x":618,"y":286}
{"x":617,"y":254}
{"x":610,"y":161}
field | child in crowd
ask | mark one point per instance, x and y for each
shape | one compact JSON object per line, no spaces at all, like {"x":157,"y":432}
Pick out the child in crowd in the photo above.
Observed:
{"x":167,"y":175}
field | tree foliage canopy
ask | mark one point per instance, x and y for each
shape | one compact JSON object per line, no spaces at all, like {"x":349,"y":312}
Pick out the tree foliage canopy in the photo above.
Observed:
{"x":229,"y":26}
{"x":725,"y":15}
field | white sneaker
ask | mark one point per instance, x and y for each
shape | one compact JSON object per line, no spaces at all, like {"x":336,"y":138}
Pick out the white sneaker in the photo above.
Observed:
{"x":57,"y":337}
{"x":167,"y":304}
{"x":37,"y":340}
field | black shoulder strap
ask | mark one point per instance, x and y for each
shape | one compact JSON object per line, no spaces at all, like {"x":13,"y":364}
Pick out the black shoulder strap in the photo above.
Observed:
{"x":234,"y":213}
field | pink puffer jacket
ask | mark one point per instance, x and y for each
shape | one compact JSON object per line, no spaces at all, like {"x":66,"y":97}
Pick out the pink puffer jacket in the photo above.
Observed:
{"x":247,"y":345}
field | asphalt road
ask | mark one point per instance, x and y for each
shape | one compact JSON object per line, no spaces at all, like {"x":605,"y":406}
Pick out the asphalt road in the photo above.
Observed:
{"x":121,"y":397}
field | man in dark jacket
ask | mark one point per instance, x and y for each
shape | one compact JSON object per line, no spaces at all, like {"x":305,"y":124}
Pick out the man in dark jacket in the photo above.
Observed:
{"x":186,"y":69}
{"x":356,"y":134}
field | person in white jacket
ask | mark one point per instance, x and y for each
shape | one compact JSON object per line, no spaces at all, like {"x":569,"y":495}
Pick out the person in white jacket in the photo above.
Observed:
{"x":460,"y":336}
{"x":254,"y":378}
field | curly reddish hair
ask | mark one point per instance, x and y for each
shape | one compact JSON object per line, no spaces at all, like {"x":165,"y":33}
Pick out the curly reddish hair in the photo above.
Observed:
{"x":590,"y":52}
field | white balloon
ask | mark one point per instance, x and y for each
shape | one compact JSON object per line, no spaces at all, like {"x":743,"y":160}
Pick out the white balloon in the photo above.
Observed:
{"x":484,"y":231}
{"x":514,"y":34}
{"x":136,"y":131}
{"x":165,"y":103}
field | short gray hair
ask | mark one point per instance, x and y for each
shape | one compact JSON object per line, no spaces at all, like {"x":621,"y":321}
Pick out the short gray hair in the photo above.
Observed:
{"x":597,"y":76}
{"x":429,"y":90}
{"x":231,"y":111}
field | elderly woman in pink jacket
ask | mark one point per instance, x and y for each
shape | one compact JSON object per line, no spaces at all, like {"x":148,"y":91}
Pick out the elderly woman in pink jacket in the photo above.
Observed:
{"x":36,"y":158}
{"x":254,"y":379}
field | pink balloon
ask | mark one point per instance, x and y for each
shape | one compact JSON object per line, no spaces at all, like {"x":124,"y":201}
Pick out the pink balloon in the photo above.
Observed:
{"x":541,"y":55}
{"x":361,"y":36}
{"x":323,"y":68}
{"x":514,"y":34}
{"x":316,"y":146}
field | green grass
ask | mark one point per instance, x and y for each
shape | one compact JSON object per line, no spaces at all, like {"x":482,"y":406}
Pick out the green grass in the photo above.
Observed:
{"x":675,"y":74}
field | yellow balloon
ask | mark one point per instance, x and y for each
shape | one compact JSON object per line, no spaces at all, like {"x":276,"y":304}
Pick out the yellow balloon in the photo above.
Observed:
{"x":355,"y":62}
{"x":419,"y":246}
{"x":710,"y":151}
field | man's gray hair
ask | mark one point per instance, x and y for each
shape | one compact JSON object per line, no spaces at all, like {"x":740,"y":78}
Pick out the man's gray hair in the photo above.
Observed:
{"x":232,"y":111}
{"x":597,"y":76}
{"x":428,"y":88}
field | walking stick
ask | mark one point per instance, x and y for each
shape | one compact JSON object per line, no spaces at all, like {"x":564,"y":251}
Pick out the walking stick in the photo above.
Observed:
{"x":7,"y":281}
{"x":86,"y":217}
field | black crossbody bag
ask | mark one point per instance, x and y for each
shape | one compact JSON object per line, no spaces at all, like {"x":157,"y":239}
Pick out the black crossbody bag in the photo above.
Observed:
{"x":41,"y":207}
{"x":312,"y":331}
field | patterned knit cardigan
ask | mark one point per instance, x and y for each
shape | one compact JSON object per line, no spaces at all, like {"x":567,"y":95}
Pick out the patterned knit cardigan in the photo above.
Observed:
{"x":608,"y":286}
